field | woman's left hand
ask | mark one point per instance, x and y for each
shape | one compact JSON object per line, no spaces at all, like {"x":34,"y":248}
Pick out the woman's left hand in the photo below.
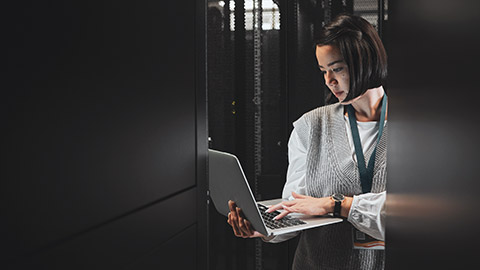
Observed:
{"x":305,"y":205}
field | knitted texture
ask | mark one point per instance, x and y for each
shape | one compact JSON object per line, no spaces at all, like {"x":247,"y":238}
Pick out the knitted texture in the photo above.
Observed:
{"x":331,"y":169}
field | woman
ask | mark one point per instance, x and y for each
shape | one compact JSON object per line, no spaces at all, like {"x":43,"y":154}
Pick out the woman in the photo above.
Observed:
{"x":337,"y":155}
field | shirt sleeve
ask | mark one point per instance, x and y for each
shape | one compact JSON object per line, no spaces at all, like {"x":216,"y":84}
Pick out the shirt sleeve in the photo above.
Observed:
{"x":367,"y":214}
{"x":297,"y":155}
{"x":297,"y":160}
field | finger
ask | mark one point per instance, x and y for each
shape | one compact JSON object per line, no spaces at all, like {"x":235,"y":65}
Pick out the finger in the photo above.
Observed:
{"x":232,"y":205}
{"x":274,"y":207}
{"x":298,"y":196}
{"x":239,"y":212}
{"x":241,"y":223}
{"x":281,"y":205}
{"x":289,"y":203}
{"x":248,"y":225}
{"x":296,"y":209}
{"x":232,"y":216}
{"x":236,"y":231}
{"x":243,"y":228}
{"x":233,"y":221}
{"x":256,"y":234}
{"x":229,"y":217}
{"x":281,"y":215}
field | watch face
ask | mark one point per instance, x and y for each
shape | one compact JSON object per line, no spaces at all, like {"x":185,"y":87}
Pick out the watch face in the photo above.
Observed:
{"x":338,"y":197}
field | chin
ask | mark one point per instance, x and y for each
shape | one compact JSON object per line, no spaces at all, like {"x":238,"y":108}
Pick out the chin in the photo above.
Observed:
{"x":341,"y":101}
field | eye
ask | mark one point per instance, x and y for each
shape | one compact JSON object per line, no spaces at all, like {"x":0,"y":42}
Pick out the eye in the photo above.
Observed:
{"x":323,"y":72}
{"x":338,"y":69}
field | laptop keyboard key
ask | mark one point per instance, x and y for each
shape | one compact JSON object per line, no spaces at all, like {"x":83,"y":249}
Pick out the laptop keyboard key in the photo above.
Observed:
{"x":277,"y":224}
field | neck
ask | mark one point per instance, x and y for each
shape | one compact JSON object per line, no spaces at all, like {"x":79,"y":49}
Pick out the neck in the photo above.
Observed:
{"x":368,"y":106}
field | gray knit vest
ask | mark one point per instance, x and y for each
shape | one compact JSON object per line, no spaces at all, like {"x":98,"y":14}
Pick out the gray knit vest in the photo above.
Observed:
{"x":331,"y":169}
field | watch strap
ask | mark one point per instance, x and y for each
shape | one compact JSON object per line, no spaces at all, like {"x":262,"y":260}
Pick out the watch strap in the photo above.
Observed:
{"x":337,"y":208}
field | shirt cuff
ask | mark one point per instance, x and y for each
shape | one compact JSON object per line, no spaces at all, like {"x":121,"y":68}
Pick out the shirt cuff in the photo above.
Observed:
{"x":367,"y":214}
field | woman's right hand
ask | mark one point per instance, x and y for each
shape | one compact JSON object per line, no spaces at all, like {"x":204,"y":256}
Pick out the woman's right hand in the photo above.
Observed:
{"x":240,"y":225}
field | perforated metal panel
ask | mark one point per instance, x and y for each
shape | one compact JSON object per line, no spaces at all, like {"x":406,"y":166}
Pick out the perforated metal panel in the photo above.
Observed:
{"x":263,"y":76}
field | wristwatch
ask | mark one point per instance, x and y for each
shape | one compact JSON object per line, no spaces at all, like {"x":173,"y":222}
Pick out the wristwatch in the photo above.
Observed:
{"x":338,"y":199}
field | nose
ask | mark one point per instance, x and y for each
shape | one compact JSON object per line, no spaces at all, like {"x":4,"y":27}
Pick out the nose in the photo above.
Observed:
{"x":330,"y":78}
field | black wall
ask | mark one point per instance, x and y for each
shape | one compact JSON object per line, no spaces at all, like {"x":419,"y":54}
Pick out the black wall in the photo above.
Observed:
{"x":433,"y":150}
{"x":104,"y":124}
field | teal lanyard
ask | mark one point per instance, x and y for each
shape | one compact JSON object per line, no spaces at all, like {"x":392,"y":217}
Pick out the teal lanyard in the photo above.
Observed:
{"x":366,"y":173}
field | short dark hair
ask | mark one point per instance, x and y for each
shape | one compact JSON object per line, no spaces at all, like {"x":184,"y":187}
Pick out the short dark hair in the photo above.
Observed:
{"x":362,"y":50}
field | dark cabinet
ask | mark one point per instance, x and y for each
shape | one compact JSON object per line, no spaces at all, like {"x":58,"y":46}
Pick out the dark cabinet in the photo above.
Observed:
{"x":103,"y":154}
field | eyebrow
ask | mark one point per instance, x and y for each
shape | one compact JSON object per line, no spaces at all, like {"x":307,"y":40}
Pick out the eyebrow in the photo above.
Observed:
{"x":332,"y":63}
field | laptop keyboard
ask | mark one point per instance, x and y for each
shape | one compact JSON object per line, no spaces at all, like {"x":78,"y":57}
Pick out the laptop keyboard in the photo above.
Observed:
{"x":277,"y":224}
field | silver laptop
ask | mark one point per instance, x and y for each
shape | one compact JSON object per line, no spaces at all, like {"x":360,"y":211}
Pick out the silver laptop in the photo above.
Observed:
{"x":228,"y":182}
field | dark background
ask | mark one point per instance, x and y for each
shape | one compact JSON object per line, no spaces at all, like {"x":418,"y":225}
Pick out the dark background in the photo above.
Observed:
{"x":433,"y":201}
{"x":104,"y":135}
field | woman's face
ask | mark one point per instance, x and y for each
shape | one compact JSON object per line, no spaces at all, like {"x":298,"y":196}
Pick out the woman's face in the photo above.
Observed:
{"x":334,"y":69}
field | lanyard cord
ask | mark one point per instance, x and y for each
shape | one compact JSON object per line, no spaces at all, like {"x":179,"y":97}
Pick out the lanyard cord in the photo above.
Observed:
{"x":366,"y":173}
